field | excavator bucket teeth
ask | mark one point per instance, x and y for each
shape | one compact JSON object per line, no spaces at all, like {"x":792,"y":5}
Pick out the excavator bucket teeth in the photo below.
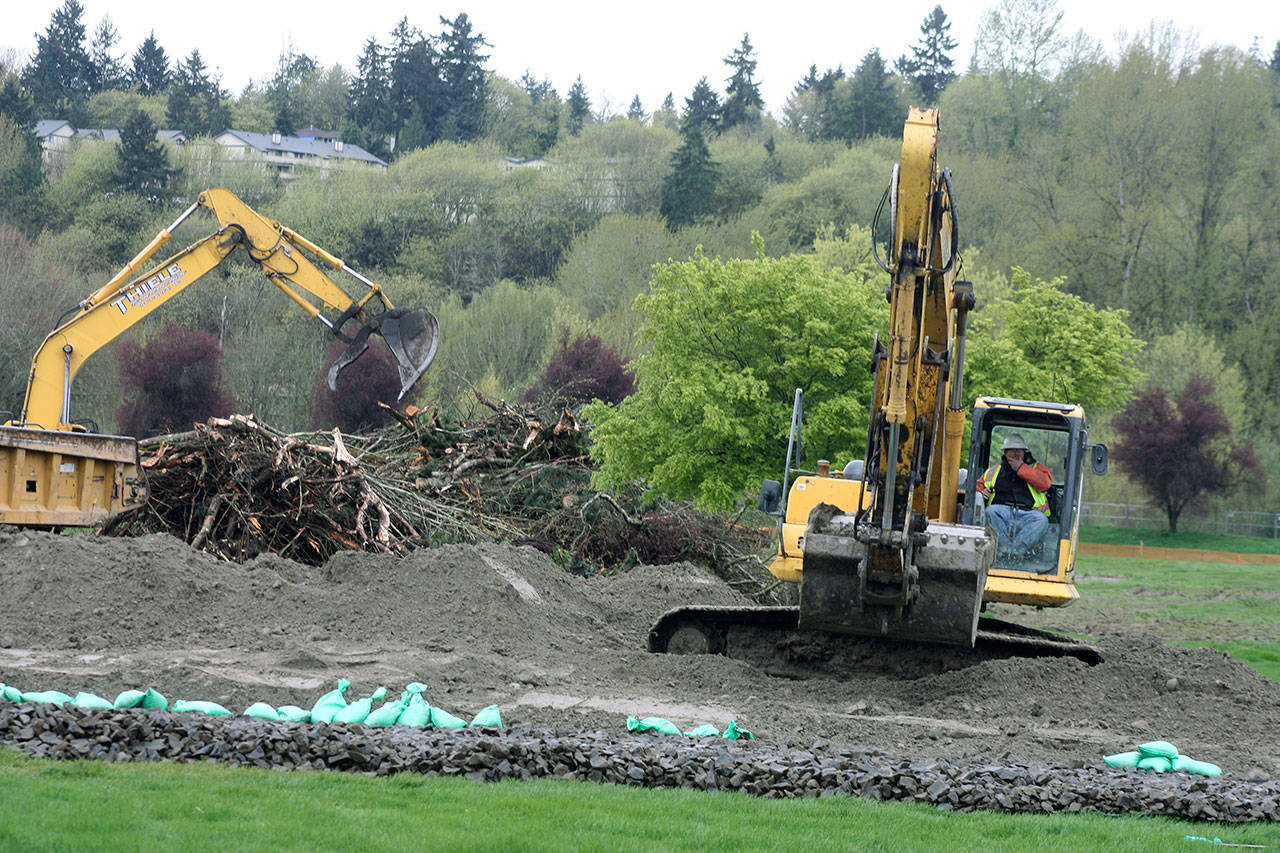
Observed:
{"x":414,"y":337}
{"x":952,"y":573}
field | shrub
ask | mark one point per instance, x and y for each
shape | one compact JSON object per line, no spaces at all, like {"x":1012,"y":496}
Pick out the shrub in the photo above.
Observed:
{"x":582,"y":370}
{"x":172,"y":381}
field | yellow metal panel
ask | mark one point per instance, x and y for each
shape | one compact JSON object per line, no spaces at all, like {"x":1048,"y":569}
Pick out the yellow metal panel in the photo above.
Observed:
{"x":56,"y":478}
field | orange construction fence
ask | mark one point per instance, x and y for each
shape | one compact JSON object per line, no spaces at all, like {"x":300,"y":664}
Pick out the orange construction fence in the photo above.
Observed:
{"x":1195,"y":555}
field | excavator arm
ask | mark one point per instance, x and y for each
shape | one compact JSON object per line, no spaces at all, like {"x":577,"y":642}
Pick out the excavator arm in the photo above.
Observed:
{"x":413,"y":336}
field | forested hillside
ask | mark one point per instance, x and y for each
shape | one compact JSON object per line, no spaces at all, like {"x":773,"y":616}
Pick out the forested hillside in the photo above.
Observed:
{"x":1139,"y":176}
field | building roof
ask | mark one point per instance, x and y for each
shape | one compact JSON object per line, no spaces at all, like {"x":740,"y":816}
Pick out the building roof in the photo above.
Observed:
{"x":47,"y":127}
{"x":323,"y":148}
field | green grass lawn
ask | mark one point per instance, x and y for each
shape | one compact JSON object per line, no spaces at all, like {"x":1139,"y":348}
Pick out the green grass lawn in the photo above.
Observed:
{"x":1233,"y":607}
{"x":1164,"y":539}
{"x":56,"y":805}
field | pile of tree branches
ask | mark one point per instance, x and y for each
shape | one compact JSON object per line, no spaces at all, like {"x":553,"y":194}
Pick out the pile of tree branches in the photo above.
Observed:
{"x":235,"y":488}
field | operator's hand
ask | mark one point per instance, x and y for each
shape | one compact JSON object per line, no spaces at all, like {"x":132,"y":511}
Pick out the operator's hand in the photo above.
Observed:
{"x":1015,"y":464}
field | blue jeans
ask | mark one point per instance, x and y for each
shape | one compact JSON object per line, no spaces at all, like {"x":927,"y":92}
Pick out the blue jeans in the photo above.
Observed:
{"x":1019,"y":530}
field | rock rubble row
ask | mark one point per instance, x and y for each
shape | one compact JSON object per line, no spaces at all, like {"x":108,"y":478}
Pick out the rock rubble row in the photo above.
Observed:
{"x":753,"y":767}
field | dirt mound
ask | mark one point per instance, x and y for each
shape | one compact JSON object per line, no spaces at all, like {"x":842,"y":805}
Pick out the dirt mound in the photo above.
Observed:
{"x":501,"y":624}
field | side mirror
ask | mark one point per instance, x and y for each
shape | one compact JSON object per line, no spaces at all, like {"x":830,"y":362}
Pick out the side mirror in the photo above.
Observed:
{"x":1098,"y":458}
{"x":853,"y":469}
{"x":770,"y":497}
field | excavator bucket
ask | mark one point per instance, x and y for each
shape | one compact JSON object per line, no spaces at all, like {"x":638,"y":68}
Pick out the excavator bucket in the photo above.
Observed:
{"x":413,"y":336}
{"x":952,"y":571}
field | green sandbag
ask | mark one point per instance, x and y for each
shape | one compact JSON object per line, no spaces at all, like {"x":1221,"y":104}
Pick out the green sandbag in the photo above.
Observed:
{"x":10,"y":693}
{"x":735,"y":733}
{"x":90,"y":700}
{"x":357,"y":711}
{"x":488,"y":718}
{"x":1155,"y":763}
{"x":417,"y":712}
{"x":388,"y":714}
{"x":184,"y":706}
{"x":261,"y":711}
{"x":129,"y":699}
{"x":652,"y":724}
{"x":294,"y":714}
{"x":1158,"y":748}
{"x":328,"y":705}
{"x":704,"y":730}
{"x":153,"y":699}
{"x":1190,"y":765}
{"x":56,"y":697}
{"x":446,"y":720}
{"x":1123,"y":759}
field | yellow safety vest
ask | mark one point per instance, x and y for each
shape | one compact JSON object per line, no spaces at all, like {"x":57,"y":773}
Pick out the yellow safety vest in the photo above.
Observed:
{"x":1040,"y":499}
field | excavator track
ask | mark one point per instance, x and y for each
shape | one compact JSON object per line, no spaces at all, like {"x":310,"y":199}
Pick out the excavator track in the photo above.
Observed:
{"x":769,"y":637}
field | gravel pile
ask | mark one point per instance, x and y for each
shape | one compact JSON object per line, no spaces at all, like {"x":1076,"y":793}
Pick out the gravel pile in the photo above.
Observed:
{"x":752,"y":767}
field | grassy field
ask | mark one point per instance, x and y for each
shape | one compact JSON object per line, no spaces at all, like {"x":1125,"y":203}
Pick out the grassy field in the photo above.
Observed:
{"x":1164,"y":539}
{"x":1231,"y":607}
{"x":210,"y":807}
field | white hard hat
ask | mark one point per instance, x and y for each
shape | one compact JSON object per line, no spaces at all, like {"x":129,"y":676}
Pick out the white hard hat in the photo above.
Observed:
{"x":1013,"y":441}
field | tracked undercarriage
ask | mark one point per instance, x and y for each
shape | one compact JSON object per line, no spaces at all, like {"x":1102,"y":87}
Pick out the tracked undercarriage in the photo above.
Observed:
{"x":769,"y":637}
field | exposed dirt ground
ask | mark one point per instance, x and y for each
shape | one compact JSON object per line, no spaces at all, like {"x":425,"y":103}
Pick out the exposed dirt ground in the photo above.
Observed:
{"x":498,"y":624}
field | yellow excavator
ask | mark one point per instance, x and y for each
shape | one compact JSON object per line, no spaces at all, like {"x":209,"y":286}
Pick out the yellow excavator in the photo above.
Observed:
{"x":55,"y":473}
{"x":896,"y":545}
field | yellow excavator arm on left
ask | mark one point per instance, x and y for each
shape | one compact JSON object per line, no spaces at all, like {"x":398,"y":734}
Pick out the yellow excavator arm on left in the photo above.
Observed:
{"x":413,"y":336}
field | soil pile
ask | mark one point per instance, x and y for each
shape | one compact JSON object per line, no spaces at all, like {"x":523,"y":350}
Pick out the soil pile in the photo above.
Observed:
{"x":500,"y":624}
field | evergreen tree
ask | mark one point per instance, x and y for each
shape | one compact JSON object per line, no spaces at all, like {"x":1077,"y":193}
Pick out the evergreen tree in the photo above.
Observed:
{"x":418,"y":97}
{"x":635,"y":112}
{"x":701,"y":109}
{"x":142,"y":164}
{"x":666,"y":114}
{"x":1275,"y":58}
{"x":150,"y":72}
{"x":579,"y":106}
{"x":810,"y":109}
{"x":929,"y":67}
{"x":537,"y":89}
{"x":867,"y":104}
{"x":369,"y":107}
{"x":462,"y":70}
{"x":191,"y":96}
{"x":291,"y":70}
{"x":109,"y":72}
{"x":742,"y":101}
{"x":60,"y":75}
{"x":688,"y":189}
{"x":22,"y":182}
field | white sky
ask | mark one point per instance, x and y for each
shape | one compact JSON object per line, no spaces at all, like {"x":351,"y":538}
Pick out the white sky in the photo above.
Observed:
{"x":646,"y":48}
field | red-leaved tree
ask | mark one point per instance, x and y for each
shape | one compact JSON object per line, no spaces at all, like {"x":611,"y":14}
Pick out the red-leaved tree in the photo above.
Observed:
{"x":582,"y":370}
{"x":1181,"y":453}
{"x":171,"y":382}
{"x":362,"y":384}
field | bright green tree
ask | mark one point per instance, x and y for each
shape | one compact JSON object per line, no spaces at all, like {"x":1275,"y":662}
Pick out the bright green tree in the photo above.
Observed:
{"x":728,"y":342}
{"x":1038,"y":342}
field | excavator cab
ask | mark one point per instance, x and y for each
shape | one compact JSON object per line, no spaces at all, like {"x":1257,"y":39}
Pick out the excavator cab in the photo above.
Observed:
{"x":1057,"y":437}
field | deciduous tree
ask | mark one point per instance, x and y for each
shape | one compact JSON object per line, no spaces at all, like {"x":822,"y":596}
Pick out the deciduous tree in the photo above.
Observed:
{"x":581,"y":370}
{"x":1182,"y":453}
{"x":728,"y":342}
{"x":353,"y":406}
